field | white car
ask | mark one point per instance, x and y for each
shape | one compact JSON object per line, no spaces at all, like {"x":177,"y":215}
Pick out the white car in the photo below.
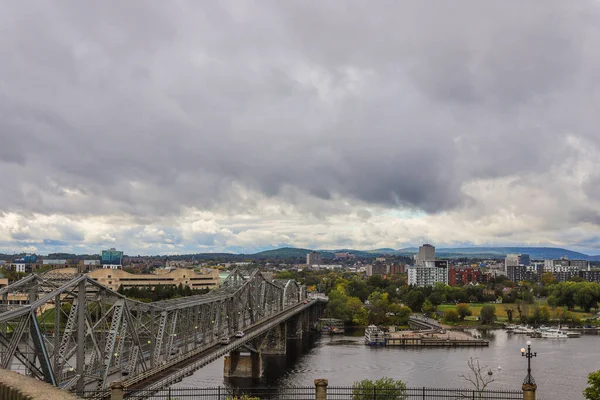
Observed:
{"x":224,"y":340}
{"x":239,"y":334}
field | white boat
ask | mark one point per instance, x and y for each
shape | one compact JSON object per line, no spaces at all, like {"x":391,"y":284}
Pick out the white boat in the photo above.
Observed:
{"x":374,"y":336}
{"x":522,"y":330}
{"x":554,"y":333}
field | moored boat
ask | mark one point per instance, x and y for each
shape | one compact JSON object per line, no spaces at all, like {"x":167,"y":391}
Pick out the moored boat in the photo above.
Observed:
{"x":554,"y":333}
{"x":374,"y":336}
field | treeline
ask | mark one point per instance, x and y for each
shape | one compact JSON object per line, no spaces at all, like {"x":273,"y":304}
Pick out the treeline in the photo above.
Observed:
{"x":159,"y":292}
{"x":585,"y":295}
{"x":390,"y":301}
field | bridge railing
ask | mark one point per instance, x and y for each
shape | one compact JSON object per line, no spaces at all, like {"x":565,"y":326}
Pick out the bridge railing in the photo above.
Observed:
{"x":319,"y":391}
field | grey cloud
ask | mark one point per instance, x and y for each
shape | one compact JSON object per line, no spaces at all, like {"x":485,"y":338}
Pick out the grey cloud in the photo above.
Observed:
{"x":144,"y":109}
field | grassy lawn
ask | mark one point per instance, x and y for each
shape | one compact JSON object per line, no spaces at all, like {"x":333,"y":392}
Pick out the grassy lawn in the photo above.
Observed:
{"x":476,"y":309}
{"x":501,"y":311}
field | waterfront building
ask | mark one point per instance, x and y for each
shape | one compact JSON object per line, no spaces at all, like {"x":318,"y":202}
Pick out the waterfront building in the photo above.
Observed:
{"x":314,"y":258}
{"x":113,"y":279}
{"x":428,"y":274}
{"x":112,"y":259}
{"x":426,"y":253}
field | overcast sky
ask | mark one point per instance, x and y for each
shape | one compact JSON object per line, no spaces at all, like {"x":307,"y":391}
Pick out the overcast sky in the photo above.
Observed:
{"x":177,"y":127}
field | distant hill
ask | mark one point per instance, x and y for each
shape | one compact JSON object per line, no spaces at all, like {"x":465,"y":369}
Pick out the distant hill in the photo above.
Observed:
{"x":290,"y":252}
{"x":536,"y":253}
{"x":383,"y":251}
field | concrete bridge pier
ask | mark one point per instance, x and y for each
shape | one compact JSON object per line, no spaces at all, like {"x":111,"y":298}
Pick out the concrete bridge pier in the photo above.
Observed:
{"x":274,"y":342}
{"x":295,"y":327}
{"x":243,"y":365}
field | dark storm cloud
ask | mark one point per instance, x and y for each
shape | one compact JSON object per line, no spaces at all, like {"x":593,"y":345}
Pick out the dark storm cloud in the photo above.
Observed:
{"x":141,"y":108}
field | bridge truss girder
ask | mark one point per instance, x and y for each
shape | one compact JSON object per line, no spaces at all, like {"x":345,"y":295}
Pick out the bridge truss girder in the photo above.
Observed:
{"x":77,"y":334}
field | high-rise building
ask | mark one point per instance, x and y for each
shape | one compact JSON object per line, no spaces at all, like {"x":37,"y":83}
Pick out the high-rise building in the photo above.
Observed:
{"x":112,"y":258}
{"x":518,"y":273}
{"x":397,"y":269}
{"x":428,"y":274}
{"x":515,"y":260}
{"x":377,"y":269}
{"x":426,"y":253}
{"x":314,"y":258}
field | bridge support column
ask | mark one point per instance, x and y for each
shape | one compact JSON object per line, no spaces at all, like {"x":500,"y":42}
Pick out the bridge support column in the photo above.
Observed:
{"x":294,"y":328}
{"x":238,"y":365}
{"x":274,"y":342}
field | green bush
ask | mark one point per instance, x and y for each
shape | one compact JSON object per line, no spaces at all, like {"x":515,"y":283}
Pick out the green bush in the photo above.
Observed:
{"x":384,"y":388}
{"x":451,"y":316}
{"x":592,"y":392}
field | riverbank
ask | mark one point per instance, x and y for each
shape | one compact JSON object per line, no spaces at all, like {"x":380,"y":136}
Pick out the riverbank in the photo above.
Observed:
{"x":343,"y":359}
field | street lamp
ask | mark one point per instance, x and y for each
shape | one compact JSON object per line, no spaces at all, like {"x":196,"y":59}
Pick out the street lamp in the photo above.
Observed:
{"x":528,"y":379}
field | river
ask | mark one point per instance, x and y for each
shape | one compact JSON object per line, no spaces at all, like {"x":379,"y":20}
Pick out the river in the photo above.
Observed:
{"x":560,"y":368}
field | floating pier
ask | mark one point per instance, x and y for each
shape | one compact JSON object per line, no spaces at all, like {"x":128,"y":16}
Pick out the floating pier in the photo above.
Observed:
{"x":433,"y":338}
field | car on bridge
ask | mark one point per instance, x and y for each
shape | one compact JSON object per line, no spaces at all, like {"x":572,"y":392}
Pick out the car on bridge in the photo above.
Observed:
{"x":239,"y":334}
{"x":224,"y":340}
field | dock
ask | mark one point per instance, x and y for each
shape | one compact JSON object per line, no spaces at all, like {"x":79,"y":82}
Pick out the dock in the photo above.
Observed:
{"x":439,"y":338}
{"x":428,"y":332}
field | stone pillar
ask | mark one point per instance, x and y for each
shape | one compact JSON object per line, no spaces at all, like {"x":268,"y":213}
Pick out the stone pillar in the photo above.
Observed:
{"x":243,"y":365}
{"x":321,"y":389}
{"x":116,"y":391}
{"x":274,"y":342}
{"x":294,"y":328}
{"x":529,"y":391}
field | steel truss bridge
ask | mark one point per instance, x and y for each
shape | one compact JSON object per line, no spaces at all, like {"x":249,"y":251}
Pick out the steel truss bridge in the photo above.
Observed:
{"x":79,"y":335}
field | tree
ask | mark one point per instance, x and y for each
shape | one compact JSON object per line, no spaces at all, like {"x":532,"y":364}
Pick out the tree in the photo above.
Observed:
{"x":487,"y":314}
{"x":428,"y":307}
{"x":379,"y":305}
{"x":548,"y":278}
{"x":451,"y":316}
{"x":414,"y":299}
{"x":400,"y":314}
{"x":478,"y":377}
{"x":338,"y":307}
{"x":435,"y":298}
{"x":592,"y":392}
{"x":552,"y":301}
{"x":383,"y":388}
{"x":463,"y":311}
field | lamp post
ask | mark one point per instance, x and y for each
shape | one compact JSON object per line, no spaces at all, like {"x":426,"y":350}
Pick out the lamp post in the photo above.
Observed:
{"x":529,"y":385}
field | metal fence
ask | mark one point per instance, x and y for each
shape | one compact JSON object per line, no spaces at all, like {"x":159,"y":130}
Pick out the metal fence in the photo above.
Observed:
{"x":422,"y":393}
{"x":309,"y":393}
{"x":225,"y":393}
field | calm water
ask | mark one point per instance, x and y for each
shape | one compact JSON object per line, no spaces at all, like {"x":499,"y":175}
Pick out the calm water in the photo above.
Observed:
{"x":560,"y":369}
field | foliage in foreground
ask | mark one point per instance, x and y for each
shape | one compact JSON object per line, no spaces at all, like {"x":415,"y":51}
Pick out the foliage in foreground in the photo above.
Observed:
{"x":592,"y":392}
{"x":384,"y":388}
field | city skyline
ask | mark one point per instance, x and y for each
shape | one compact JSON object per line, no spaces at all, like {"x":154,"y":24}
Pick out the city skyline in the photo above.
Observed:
{"x":240,"y":127}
